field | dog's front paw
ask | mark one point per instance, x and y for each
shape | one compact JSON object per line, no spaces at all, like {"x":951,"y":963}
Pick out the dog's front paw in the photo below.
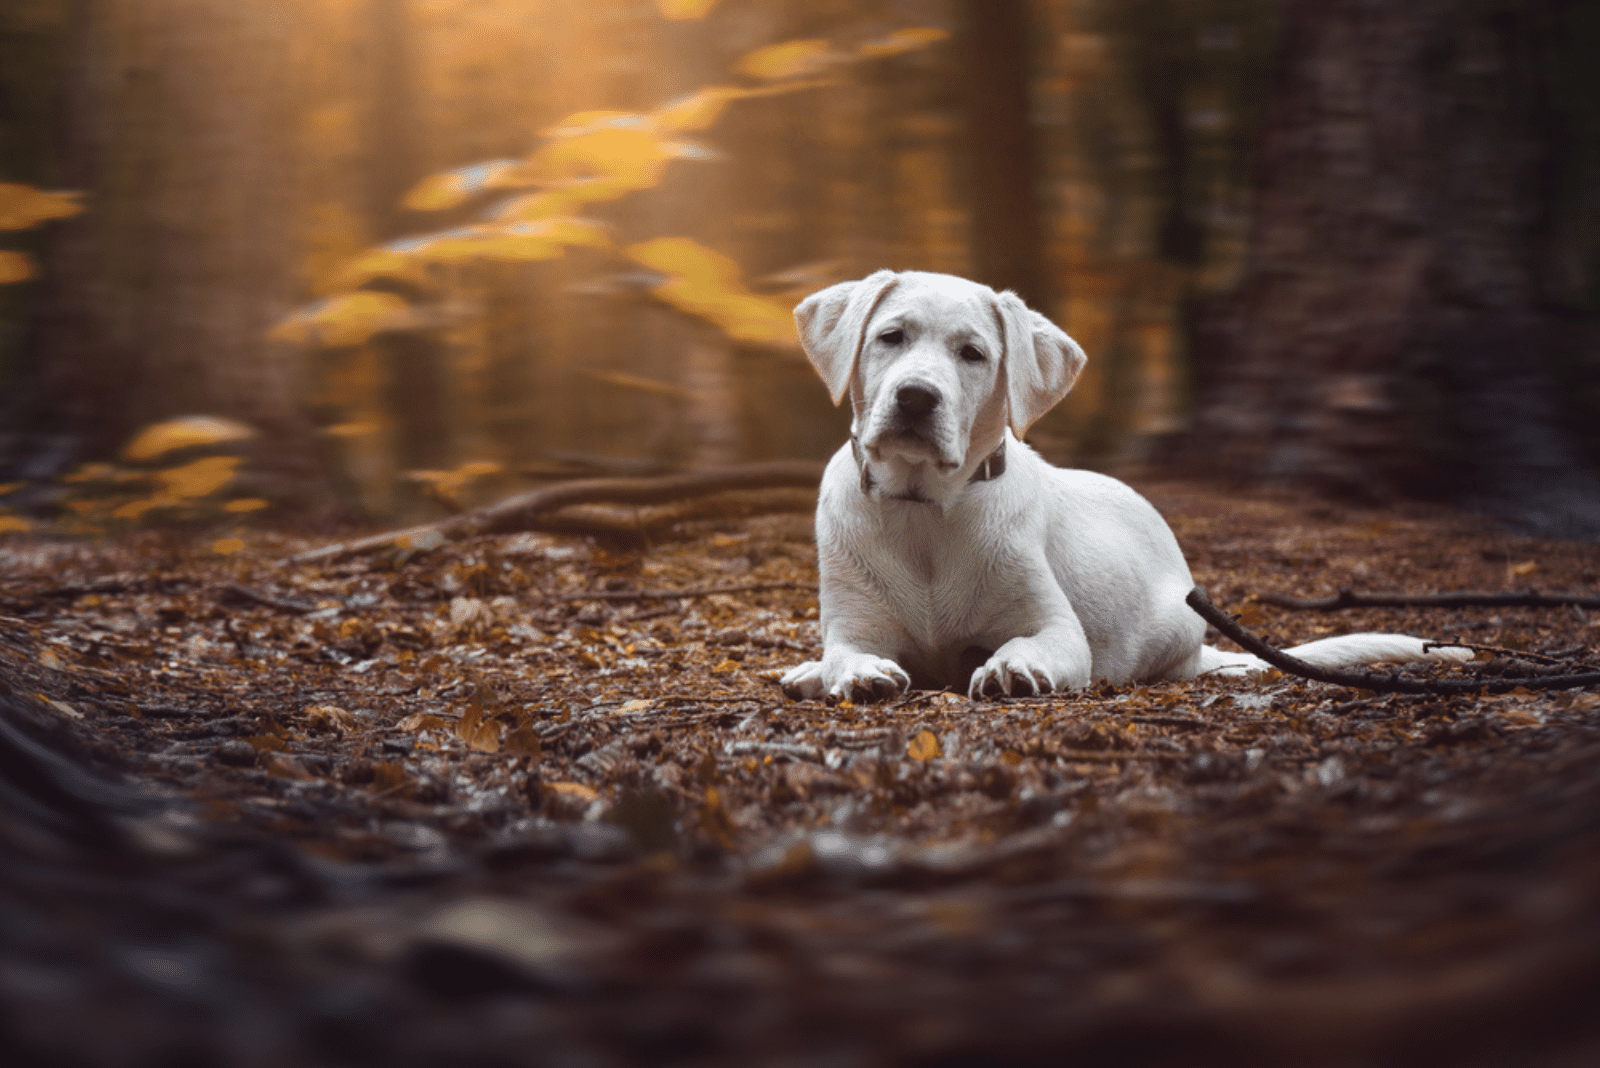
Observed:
{"x":858,"y":677}
{"x":1018,"y":671}
{"x":804,"y":681}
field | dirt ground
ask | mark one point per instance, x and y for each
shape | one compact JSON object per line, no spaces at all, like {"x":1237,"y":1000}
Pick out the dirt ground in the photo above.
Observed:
{"x":500,"y":802}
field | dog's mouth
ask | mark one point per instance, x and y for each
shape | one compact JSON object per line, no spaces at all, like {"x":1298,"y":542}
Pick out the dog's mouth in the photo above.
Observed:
{"x":912,"y":444}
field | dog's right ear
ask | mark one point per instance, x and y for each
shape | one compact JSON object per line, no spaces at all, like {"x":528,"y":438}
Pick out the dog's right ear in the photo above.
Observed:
{"x":833,"y":326}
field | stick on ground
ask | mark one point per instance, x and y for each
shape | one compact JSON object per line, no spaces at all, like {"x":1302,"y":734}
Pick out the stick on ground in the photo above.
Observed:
{"x":1368,"y":680}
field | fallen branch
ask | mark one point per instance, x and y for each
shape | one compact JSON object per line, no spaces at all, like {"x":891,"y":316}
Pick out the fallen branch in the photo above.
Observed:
{"x":1458,"y":599}
{"x":1368,"y":680}
{"x":518,"y":512}
{"x":643,"y":524}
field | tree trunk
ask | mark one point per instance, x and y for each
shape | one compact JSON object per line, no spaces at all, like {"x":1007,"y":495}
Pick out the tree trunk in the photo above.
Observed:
{"x":1410,"y":302}
{"x":1007,"y":225}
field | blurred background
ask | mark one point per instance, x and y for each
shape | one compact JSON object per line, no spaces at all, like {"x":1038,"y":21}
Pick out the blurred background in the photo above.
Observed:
{"x":383,"y":257}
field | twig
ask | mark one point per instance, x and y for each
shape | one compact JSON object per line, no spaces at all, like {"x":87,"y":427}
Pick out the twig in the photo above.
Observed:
{"x":235,"y":591}
{"x":1367,"y":680}
{"x":515,"y":512}
{"x":1458,"y":599}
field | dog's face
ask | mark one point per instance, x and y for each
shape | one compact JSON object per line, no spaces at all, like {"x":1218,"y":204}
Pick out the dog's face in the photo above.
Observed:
{"x":936,"y":367}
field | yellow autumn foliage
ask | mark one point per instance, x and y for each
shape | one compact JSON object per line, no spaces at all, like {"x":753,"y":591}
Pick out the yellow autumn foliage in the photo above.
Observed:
{"x":23,"y":206}
{"x":381,"y":263}
{"x":15,"y":267}
{"x":592,"y":120}
{"x":704,"y":282}
{"x":907,"y":40}
{"x":135,"y":510}
{"x":450,"y":483}
{"x":346,"y":319}
{"x":697,"y":110}
{"x":790,"y":59}
{"x":537,"y":207}
{"x":198,"y":479}
{"x":439,"y":192}
{"x":610,"y":159}
{"x":685,"y":9}
{"x":191,"y":430}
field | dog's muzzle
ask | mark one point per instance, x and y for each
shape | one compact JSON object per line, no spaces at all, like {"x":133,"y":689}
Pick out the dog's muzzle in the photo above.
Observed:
{"x":993,"y":466}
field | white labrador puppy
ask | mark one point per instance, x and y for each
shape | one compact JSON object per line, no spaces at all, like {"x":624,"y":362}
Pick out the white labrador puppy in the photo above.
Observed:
{"x":950,"y":553}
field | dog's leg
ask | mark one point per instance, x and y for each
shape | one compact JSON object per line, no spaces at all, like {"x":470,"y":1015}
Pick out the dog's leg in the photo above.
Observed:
{"x":859,"y":637}
{"x":1050,"y":651}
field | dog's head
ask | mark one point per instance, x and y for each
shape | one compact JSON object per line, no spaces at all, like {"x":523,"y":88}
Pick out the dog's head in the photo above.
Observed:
{"x":937,"y":367}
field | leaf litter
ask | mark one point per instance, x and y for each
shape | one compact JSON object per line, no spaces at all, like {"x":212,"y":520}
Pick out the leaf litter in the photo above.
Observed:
{"x":598,"y":824}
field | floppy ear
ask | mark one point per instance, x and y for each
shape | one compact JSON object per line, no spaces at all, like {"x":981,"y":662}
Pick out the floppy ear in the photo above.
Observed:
{"x":1041,"y":362}
{"x":833,"y":325}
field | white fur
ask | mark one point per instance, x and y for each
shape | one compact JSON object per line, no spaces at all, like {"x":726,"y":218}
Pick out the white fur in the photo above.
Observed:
{"x":1039,"y":580}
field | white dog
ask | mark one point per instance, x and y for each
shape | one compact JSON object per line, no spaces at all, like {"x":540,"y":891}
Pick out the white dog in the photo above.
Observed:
{"x":950,"y":553}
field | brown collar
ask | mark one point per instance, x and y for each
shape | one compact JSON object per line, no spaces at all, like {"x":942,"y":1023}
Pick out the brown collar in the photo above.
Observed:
{"x":993,"y":466}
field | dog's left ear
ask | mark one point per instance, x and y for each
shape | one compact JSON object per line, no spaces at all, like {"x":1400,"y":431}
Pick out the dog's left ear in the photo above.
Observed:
{"x":1041,"y":362}
{"x":833,"y":323}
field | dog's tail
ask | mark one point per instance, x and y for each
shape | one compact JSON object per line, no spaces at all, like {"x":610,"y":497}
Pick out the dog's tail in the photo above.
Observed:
{"x":1345,"y":651}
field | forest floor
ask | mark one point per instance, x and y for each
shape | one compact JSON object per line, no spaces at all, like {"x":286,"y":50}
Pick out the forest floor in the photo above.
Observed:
{"x":501,"y":802}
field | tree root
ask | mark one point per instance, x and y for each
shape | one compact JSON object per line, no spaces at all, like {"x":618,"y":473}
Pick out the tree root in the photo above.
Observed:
{"x":1369,"y":680}
{"x":540,"y":509}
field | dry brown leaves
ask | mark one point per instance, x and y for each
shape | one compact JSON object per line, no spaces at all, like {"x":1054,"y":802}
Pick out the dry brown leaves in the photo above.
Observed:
{"x":1233,"y":847}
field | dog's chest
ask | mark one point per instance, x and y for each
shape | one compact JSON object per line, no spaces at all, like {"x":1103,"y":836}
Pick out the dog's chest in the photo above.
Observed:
{"x":938,"y":576}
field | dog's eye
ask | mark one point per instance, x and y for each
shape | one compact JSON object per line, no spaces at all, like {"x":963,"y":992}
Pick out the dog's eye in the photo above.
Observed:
{"x":892,"y":337}
{"x":971,"y":354}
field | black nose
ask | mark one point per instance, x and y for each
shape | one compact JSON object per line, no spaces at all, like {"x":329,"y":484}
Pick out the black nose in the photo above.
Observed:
{"x":915,"y":402}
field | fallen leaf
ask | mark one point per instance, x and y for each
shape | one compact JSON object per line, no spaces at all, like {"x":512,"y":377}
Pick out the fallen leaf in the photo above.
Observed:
{"x":524,"y":740}
{"x":325,"y":719}
{"x":285,"y":766}
{"x":925,"y":746}
{"x":572,"y":789}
